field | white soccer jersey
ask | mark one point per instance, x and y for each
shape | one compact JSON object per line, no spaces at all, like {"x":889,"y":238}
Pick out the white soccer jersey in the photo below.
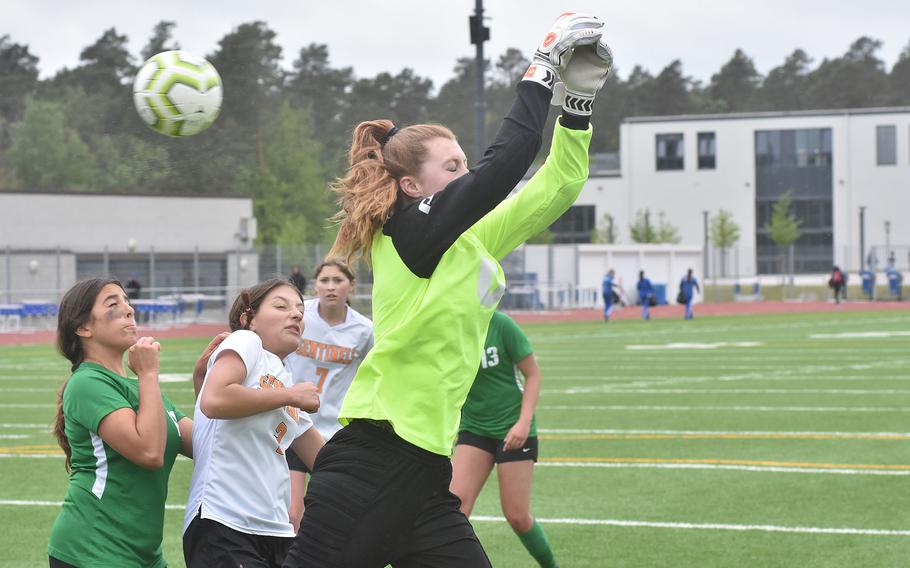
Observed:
{"x":329,"y":356}
{"x":240,"y":474}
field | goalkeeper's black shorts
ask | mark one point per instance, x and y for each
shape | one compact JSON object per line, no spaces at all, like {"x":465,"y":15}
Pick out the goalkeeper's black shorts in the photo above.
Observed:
{"x":375,"y":499}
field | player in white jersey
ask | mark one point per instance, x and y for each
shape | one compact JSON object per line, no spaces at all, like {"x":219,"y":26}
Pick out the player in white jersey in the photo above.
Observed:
{"x":335,"y":340}
{"x":248,"y":414}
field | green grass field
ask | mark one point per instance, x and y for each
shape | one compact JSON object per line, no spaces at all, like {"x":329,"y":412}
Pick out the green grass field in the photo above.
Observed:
{"x":766,"y":441}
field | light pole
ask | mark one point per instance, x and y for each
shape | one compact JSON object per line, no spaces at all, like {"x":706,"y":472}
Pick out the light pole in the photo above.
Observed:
{"x":704,"y":254}
{"x":862,"y":238}
{"x":479,"y":34}
{"x":887,"y":240}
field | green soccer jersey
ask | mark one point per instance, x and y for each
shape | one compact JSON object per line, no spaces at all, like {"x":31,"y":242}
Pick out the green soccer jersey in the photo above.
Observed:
{"x":113,"y":512}
{"x":430,"y":328}
{"x":494,"y":401}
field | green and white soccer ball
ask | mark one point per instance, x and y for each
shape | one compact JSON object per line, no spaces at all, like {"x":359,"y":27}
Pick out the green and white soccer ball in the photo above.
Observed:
{"x":177,"y":93}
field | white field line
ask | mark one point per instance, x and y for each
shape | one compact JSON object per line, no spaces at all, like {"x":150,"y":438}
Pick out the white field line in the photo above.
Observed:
{"x":15,"y":436}
{"x":34,"y":456}
{"x":860,"y":335}
{"x":604,"y":522}
{"x":54,"y":389}
{"x":707,"y":526}
{"x":617,"y":389}
{"x":846,"y":435}
{"x":728,"y":408}
{"x":729,"y":467}
{"x":701,"y":346}
{"x":26,"y":426}
{"x":634,"y":465}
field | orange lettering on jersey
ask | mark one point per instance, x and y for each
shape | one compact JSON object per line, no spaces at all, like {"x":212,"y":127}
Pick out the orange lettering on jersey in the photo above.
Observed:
{"x":326,"y":352}
{"x":270,"y":382}
{"x":280,"y":431}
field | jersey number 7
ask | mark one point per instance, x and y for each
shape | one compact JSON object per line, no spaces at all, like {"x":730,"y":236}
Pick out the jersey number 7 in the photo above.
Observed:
{"x":323,"y":374}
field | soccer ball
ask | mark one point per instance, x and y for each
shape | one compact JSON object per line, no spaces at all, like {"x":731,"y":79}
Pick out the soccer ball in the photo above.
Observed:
{"x":177,"y":93}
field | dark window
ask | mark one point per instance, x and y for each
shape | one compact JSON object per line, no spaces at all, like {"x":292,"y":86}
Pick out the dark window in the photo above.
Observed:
{"x":170,"y":271}
{"x":793,"y":148}
{"x":886,"y":145}
{"x":669,"y":151}
{"x":707,"y":150}
{"x":575,"y":225}
{"x":799,"y":162}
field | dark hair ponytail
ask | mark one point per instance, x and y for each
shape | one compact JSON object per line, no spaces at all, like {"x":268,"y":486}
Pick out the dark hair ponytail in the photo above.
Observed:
{"x":75,"y":310}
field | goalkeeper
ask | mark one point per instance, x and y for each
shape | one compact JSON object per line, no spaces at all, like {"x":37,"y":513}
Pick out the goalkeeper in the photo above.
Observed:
{"x":434,"y":232}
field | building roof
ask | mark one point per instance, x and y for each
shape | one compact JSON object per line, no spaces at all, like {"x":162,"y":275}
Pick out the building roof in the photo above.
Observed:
{"x":769,"y":114}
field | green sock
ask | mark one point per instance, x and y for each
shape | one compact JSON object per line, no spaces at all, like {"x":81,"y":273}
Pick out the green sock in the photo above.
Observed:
{"x":535,"y":541}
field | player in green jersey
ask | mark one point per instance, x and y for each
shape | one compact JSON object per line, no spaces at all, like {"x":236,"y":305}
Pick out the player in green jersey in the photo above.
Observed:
{"x":120,"y":435}
{"x":434,"y":232}
{"x":498,"y":427}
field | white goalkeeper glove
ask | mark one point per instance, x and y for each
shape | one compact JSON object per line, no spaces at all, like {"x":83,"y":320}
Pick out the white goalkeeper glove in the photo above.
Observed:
{"x":584,"y":73}
{"x":569,"y":30}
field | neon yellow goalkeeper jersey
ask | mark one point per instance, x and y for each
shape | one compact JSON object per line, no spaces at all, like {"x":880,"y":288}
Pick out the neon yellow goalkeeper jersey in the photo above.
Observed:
{"x":432,"y":306}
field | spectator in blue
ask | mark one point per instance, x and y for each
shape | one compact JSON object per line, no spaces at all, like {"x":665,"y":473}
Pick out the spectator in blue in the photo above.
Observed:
{"x":644,"y":295}
{"x":686,"y":286}
{"x":607,"y":290}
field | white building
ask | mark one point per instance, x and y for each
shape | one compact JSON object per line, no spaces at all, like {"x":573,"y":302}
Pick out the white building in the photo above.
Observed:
{"x":50,"y":240}
{"x":834,"y":162}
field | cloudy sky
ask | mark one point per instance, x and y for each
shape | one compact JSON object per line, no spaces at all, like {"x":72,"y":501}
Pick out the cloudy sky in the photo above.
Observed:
{"x":428,"y":35}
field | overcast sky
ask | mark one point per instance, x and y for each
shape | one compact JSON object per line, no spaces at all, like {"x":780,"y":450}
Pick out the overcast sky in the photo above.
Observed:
{"x":428,"y":35}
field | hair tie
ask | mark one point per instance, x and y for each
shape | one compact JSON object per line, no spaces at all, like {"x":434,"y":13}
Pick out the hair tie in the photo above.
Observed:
{"x":388,"y":136}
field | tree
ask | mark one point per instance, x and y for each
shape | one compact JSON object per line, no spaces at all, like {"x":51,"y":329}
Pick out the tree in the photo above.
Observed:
{"x":403,"y":98}
{"x":899,"y":79}
{"x":454,"y":105}
{"x":785,"y":87}
{"x":605,"y":232}
{"x":784,"y":226}
{"x":18,"y":77}
{"x":289,"y":194}
{"x":106,"y":71}
{"x":642,"y":230}
{"x":160,"y":40}
{"x":671,"y":91}
{"x":856,"y":80}
{"x":248,"y":60}
{"x":314,"y":84}
{"x":45,"y":154}
{"x":641,"y":92}
{"x":666,"y":232}
{"x":128,"y":163}
{"x":724,"y":234}
{"x":735,"y":85}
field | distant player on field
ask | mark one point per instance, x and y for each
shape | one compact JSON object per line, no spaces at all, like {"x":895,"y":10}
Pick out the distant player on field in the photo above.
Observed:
{"x":498,"y":427}
{"x":120,"y":435}
{"x":645,"y":292}
{"x":687,"y":288}
{"x":434,"y":232}
{"x":335,"y":340}
{"x":608,"y":293}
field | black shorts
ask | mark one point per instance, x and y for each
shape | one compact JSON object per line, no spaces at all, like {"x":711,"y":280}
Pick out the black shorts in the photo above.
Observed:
{"x":54,"y":563}
{"x":375,"y":499}
{"x":208,"y":543}
{"x":496,"y":447}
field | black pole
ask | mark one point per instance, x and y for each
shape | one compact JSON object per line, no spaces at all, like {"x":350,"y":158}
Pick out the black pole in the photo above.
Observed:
{"x":862,"y":238}
{"x":479,"y":34}
{"x":705,"y":253}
